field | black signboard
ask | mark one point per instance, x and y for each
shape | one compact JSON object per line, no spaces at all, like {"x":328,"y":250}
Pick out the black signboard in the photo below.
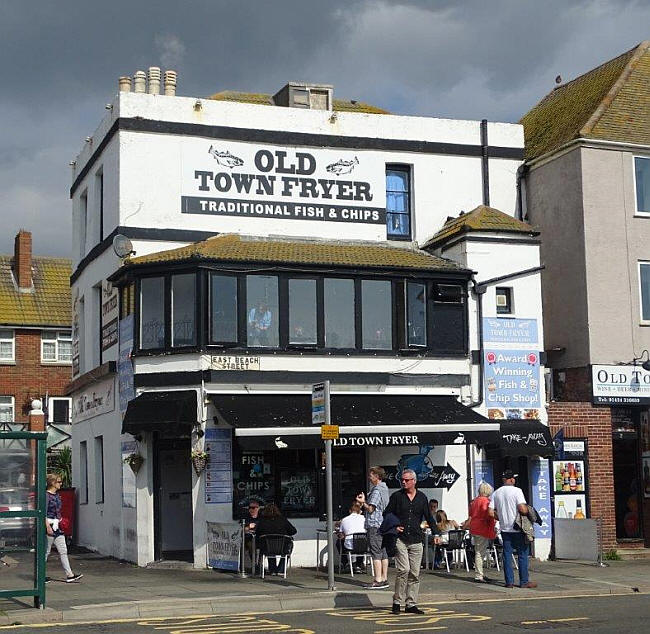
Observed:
{"x":433,"y":477}
{"x":252,"y":479}
{"x":526,"y":438}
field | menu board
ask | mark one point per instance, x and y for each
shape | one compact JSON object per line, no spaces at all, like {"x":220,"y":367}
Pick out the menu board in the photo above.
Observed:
{"x":218,"y":474}
{"x":298,"y":491}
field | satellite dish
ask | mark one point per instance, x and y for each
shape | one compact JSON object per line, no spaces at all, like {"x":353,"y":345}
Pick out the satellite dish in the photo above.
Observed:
{"x":122,"y":246}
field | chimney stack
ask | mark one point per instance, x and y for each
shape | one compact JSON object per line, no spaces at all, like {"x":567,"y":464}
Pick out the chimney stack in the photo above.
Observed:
{"x":125,"y":84}
{"x":23,"y":260}
{"x":139,"y":81}
{"x":154,"y":80}
{"x":170,"y":83}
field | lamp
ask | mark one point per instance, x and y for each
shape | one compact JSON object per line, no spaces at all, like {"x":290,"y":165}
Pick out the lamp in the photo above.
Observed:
{"x":646,"y":364}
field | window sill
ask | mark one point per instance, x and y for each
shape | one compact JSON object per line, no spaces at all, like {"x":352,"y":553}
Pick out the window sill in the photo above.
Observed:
{"x":7,"y":362}
{"x":642,"y":214}
{"x":644,"y":324}
{"x":56,"y":363}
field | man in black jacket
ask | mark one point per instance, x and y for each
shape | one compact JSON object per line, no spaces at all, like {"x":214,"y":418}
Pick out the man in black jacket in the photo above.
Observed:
{"x":411,"y":507}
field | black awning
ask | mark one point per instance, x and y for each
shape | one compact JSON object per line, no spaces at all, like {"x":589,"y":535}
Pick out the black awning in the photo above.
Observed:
{"x":525,"y":438}
{"x":278,"y":420}
{"x":161,"y":411}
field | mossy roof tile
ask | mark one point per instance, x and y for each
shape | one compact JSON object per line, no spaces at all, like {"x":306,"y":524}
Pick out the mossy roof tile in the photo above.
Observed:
{"x":235,"y":248}
{"x":48,"y":304}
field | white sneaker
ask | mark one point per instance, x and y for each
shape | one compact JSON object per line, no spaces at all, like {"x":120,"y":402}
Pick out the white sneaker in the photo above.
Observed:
{"x":73,"y":578}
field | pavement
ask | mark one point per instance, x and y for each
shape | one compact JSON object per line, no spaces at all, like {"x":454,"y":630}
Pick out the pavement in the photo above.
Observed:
{"x":112,"y":589}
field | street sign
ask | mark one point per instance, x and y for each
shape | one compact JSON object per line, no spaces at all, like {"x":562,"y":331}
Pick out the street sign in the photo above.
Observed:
{"x":329,"y":432}
{"x":319,"y":403}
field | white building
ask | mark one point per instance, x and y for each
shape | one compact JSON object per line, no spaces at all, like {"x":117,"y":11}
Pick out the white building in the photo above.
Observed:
{"x":278,"y":242}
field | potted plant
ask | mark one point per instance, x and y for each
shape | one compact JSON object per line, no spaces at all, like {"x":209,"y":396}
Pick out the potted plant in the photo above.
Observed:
{"x":199,"y":460}
{"x":134,"y":460}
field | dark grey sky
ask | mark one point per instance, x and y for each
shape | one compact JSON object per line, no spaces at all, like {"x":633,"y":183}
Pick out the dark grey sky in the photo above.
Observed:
{"x":454,"y":58}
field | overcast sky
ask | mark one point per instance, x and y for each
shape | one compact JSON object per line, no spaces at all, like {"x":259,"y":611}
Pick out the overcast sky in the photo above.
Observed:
{"x":469,"y":59}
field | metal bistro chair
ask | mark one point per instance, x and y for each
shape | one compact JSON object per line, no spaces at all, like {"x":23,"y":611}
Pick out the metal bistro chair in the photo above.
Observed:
{"x":456,"y":544}
{"x":360,"y":548}
{"x":276,"y":546}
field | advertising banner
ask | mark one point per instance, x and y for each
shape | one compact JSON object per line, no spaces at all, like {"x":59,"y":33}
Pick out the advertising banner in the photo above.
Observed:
{"x":230,"y":178}
{"x":93,"y":401}
{"x":510,"y":333}
{"x":620,"y":384}
{"x":224,"y":542}
{"x":541,"y":495}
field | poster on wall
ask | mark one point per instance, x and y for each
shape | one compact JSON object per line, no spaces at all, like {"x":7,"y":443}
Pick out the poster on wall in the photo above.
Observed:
{"x":570,"y":506}
{"x":483,"y":472}
{"x":247,"y":180}
{"x":128,"y":477}
{"x":218,"y":473}
{"x":224,"y":542}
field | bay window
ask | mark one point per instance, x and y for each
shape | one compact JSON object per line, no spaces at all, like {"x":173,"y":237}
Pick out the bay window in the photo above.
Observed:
{"x":262,"y":311}
{"x":302,"y":312}
{"x":376,"y":315}
{"x":224,"y":309}
{"x":152,"y":313}
{"x":339,"y":313}
{"x":183,"y":309}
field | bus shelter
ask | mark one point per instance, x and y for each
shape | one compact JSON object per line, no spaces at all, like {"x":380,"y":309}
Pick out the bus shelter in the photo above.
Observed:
{"x":22,"y":515}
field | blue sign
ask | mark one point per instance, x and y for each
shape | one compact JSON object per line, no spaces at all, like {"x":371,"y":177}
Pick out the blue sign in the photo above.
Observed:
{"x":218,"y":473}
{"x":126,"y":386}
{"x":510,"y":331}
{"x":483,"y":472}
{"x":540,"y":485}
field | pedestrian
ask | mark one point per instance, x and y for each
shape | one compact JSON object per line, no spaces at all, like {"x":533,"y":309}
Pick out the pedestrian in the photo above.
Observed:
{"x":411,"y":507}
{"x":374,"y":506}
{"x":349,"y":525}
{"x":52,"y":527}
{"x":481,"y":528}
{"x":272,"y":522}
{"x":506,"y":502}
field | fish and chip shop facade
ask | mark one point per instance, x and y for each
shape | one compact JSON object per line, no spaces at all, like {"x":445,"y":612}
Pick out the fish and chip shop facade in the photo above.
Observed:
{"x":277,"y":245}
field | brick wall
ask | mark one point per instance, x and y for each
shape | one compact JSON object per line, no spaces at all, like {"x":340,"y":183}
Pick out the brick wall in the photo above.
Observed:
{"x":29,"y":378}
{"x":583,"y":420}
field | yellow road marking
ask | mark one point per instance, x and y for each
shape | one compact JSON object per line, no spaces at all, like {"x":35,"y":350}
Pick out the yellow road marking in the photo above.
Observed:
{"x":573,"y":618}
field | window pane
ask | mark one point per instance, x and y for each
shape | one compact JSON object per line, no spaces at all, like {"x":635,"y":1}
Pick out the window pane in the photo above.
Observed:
{"x":6,"y":409}
{"x":377,"y":321}
{"x":183,"y":310}
{"x":49,"y":351}
{"x":49,"y":336}
{"x":262,"y":310}
{"x":644,"y":271}
{"x":152,"y":313}
{"x":397,"y":180}
{"x":416,"y":303}
{"x":65,"y":351}
{"x":6,"y":350}
{"x":60,"y":411}
{"x":302,"y":312}
{"x":398,"y":224}
{"x":339,"y":313}
{"x":224,"y":309}
{"x":397,"y":202}
{"x":642,"y":173}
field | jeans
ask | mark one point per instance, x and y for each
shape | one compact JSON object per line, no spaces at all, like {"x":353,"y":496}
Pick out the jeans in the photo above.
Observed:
{"x":408,"y":559}
{"x":515,"y":542}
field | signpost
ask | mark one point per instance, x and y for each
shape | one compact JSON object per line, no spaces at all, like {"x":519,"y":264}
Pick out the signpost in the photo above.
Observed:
{"x":320,"y":415}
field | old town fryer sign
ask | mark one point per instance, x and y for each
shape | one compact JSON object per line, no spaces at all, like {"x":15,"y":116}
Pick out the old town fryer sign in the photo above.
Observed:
{"x":241,"y":179}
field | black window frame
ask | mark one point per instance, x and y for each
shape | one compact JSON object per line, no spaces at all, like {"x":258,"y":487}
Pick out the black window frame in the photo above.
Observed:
{"x":508,"y":293}
{"x":408,"y":171}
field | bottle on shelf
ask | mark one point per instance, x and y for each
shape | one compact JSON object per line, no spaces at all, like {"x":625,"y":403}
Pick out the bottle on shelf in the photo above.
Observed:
{"x":559,"y":477}
{"x":566,"y":483}
{"x":579,"y":482}
{"x":572,"y":479}
{"x":579,"y":515}
{"x":561,"y":511}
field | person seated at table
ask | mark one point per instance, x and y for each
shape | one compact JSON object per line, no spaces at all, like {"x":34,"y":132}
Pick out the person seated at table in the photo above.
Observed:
{"x":272,"y":522}
{"x":350,"y":524}
{"x":445,"y":525}
{"x":433,"y":506}
{"x":250,"y":523}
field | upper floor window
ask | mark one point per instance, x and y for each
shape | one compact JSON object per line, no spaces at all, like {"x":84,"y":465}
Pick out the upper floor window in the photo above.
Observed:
{"x":302,"y":312}
{"x":398,"y":202}
{"x":339,"y":313}
{"x":416,"y":314}
{"x":152,"y":313}
{"x":262,"y":311}
{"x":644,"y":284}
{"x":376,"y":315}
{"x":6,"y":409}
{"x":504,"y":300}
{"x":7,"y":345}
{"x":183,"y":306}
{"x":642,"y":180}
{"x":56,"y":347}
{"x":224,"y":309}
{"x":59,"y":409}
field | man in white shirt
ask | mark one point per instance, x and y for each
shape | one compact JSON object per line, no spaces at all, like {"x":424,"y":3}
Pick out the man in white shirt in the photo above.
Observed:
{"x":506,"y":502}
{"x":350,"y":524}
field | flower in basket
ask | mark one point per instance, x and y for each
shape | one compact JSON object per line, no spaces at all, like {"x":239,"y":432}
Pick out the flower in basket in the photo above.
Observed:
{"x":199,"y":460}
{"x":134,"y":460}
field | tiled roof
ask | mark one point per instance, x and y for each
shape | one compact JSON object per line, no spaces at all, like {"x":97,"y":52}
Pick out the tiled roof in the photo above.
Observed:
{"x":610,"y":102}
{"x":48,"y":305}
{"x":235,"y":248}
{"x":482,"y":218}
{"x":340,"y":105}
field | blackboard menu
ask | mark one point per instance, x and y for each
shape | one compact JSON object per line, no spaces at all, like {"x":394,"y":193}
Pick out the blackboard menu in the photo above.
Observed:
{"x":298,"y":491}
{"x":253,"y":478}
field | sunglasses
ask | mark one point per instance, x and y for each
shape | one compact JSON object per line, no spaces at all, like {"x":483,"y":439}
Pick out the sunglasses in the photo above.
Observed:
{"x":406,"y":479}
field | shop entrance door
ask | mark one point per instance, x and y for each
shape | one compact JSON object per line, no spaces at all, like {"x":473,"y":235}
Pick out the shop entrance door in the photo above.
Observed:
{"x":627,"y":486}
{"x":174,"y":539}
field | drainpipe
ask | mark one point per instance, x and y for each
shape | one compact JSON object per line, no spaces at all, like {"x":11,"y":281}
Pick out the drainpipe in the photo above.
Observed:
{"x":522,"y":207}
{"x":485,"y":171}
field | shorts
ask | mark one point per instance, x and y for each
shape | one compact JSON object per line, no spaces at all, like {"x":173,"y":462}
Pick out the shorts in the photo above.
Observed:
{"x":375,"y":540}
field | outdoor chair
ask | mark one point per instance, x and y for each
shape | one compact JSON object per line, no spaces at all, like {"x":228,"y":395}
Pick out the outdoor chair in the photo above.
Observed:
{"x":360,"y":548}
{"x":276,"y":546}
{"x":455,"y":547}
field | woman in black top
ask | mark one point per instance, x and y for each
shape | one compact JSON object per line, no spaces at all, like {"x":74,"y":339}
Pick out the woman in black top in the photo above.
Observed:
{"x":272,"y":522}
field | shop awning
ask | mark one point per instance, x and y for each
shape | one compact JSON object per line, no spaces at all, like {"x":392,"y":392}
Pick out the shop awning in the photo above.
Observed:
{"x":172,"y":412}
{"x":270,"y":421}
{"x":525,"y":438}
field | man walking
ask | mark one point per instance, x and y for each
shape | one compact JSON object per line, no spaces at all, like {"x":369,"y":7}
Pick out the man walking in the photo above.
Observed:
{"x":411,"y":507}
{"x":374,"y":507}
{"x":505,"y":503}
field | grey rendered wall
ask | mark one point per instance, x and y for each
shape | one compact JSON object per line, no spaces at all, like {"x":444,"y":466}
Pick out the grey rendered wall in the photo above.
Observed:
{"x":615,"y":241}
{"x":554,"y":201}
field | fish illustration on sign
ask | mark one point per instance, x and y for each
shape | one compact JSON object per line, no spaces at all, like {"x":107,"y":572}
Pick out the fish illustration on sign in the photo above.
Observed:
{"x":342,"y":166}
{"x":225,"y":158}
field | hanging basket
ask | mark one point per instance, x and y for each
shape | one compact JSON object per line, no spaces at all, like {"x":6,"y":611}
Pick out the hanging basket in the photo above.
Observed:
{"x":134,"y":461}
{"x":199,"y":463}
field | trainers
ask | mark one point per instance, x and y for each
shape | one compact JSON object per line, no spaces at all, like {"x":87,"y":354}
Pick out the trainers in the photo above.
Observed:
{"x":73,"y":578}
{"x":480,"y":580}
{"x":413,"y":609}
{"x":376,"y":585}
{"x":48,"y":579}
{"x":396,"y":608}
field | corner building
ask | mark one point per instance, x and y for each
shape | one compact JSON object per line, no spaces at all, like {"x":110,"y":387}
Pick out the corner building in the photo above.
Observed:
{"x":280,"y":241}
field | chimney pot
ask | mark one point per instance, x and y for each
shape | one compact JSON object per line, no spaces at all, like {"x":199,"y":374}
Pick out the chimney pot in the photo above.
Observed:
{"x":23,"y":259}
{"x":154,"y":80}
{"x":170,"y":83}
{"x":125,"y":84}
{"x":139,"y":81}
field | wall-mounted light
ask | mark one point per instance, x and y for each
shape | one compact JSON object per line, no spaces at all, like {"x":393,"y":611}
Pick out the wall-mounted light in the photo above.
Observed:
{"x":198,"y":105}
{"x":646,"y":364}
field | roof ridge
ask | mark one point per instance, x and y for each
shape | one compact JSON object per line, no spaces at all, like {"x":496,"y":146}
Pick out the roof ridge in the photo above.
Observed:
{"x":597,"y":114}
